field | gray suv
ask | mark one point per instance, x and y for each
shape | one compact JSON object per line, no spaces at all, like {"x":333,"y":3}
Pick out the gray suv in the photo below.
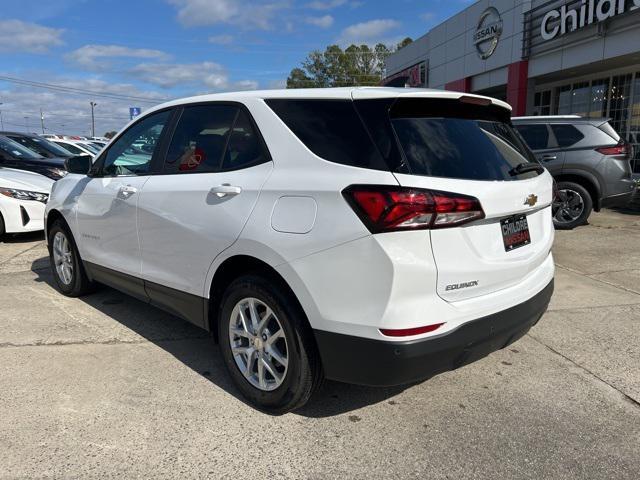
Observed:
{"x":588,"y":160}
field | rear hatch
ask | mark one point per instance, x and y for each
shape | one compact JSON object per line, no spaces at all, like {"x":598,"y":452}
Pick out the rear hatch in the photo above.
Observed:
{"x":467,"y":146}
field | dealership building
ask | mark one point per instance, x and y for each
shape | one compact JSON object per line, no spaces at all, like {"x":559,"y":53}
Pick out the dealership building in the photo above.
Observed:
{"x":544,"y":57}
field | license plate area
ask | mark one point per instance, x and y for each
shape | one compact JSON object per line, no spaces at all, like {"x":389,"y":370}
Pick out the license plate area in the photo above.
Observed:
{"x":515,"y":232}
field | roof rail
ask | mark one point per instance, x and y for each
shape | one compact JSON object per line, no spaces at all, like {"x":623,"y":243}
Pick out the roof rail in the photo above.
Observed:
{"x":546,"y":117}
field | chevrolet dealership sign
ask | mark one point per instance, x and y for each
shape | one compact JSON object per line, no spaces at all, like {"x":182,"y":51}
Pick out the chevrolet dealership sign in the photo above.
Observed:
{"x":563,"y":20}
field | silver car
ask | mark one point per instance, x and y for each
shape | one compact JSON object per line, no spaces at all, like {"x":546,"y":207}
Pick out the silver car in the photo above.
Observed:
{"x":588,"y":159}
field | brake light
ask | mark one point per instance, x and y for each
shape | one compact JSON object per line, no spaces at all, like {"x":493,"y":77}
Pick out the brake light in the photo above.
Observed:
{"x":622,"y":149}
{"x":407,"y":332}
{"x":384,"y":208}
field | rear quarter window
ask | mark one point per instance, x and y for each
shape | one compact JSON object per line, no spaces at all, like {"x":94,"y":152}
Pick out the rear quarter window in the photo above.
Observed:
{"x":331,"y":129}
{"x":567,"y":135}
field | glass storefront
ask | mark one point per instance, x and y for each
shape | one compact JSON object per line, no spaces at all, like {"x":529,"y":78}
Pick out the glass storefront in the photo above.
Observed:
{"x":616,"y":97}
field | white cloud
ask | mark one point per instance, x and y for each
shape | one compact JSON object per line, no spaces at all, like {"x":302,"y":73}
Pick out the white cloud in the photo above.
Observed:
{"x":18,"y":36}
{"x":323,"y":22}
{"x":169,"y":75}
{"x":326,"y":5}
{"x":92,"y":56}
{"x":278,"y":84}
{"x":194,"y":13}
{"x":221,"y":39}
{"x":371,"y":32}
{"x":428,"y":16}
{"x":245,"y":85}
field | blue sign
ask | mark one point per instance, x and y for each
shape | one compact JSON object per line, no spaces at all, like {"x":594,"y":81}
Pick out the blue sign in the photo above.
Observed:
{"x":134,"y":112}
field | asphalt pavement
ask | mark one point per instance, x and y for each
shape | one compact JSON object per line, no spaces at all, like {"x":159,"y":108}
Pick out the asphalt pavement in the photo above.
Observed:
{"x":106,"y":386}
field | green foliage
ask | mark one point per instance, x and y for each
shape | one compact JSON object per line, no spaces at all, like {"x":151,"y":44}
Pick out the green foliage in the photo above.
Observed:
{"x":357,"y":65}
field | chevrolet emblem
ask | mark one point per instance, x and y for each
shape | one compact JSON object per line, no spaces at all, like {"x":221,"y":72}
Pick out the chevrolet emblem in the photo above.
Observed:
{"x":531,"y":200}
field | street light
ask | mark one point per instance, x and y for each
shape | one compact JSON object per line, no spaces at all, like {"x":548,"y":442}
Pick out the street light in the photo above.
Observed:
{"x":26,"y":123}
{"x":93,"y":122}
{"x":1,"y":122}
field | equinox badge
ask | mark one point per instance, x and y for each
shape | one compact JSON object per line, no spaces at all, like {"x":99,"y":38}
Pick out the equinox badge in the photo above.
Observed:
{"x":531,"y":200}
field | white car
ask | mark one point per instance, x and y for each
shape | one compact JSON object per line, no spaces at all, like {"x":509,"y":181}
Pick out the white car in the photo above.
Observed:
{"x":377,"y":236}
{"x":77,"y":147}
{"x":23,"y":196}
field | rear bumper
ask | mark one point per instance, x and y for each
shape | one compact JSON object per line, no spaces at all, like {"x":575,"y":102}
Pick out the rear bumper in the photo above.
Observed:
{"x":620,"y":200}
{"x":371,"y":362}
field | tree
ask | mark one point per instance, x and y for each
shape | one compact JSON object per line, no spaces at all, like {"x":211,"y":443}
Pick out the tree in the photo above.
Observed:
{"x":357,"y":65}
{"x":110,"y":134}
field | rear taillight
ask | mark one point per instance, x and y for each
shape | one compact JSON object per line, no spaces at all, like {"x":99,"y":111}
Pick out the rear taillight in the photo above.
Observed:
{"x":384,"y":208}
{"x":620,"y":150}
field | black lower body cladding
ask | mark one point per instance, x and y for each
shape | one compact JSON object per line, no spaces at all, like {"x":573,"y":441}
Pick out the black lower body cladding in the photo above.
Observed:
{"x":370,"y":362}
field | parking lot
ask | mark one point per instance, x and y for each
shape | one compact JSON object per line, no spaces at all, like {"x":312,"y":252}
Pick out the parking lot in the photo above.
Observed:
{"x":105,"y":386}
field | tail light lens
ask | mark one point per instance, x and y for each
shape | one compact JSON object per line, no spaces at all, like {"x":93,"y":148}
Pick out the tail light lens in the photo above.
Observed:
{"x":620,"y":150}
{"x":384,"y":208}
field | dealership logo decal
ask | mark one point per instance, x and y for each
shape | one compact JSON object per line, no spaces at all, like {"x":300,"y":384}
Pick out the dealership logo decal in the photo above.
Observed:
{"x":563,"y":20}
{"x":488,"y":32}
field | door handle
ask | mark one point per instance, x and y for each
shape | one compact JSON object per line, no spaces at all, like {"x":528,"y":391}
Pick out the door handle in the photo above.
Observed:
{"x":548,"y":158}
{"x":225,"y":190}
{"x":127,"y":190}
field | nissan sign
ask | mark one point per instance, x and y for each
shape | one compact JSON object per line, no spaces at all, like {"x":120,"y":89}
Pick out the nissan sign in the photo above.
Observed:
{"x":562,"y":20}
{"x":488,"y":32}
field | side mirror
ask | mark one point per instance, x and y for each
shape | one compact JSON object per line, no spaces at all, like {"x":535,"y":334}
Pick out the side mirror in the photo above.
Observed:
{"x":80,"y":164}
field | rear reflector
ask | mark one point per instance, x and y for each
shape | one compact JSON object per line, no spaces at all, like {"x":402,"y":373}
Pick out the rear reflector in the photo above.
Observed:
{"x":385,"y":208}
{"x":407,"y":332}
{"x":621,"y":149}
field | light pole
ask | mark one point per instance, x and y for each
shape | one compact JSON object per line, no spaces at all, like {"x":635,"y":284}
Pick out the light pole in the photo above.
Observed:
{"x":93,"y":122}
{"x":42,"y":120}
{"x":26,"y":123}
{"x":1,"y":122}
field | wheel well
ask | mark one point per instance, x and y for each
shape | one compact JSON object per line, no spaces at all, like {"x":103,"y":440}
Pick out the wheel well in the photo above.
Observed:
{"x":589,"y":185}
{"x":52,"y":216}
{"x":233,"y":268}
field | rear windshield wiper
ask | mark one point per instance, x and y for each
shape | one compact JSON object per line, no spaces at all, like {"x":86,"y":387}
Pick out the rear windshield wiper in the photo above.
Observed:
{"x":526,"y":167}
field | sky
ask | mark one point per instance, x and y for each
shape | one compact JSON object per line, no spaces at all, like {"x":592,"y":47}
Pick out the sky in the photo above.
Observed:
{"x":145,"y":52}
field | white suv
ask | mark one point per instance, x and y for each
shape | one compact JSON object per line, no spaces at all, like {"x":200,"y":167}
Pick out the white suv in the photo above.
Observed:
{"x":376,"y":236}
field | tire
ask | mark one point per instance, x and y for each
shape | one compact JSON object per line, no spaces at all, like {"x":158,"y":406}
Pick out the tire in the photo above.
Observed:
{"x":301,"y":376}
{"x":77,"y":284}
{"x":572,"y":206}
{"x":1,"y":227}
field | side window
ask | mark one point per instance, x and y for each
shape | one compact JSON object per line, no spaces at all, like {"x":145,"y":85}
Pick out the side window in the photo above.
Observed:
{"x":536,"y":136}
{"x":200,"y":139}
{"x":567,"y":135}
{"x":331,"y":129}
{"x":244,"y":147}
{"x":131,"y":154}
{"x":72,"y":148}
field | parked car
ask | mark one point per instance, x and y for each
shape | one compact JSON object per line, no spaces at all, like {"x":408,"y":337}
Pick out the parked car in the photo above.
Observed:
{"x":76,"y":147}
{"x":23,"y":196}
{"x":40,"y":145}
{"x":377,"y":236}
{"x":15,"y":155}
{"x":588,"y":159}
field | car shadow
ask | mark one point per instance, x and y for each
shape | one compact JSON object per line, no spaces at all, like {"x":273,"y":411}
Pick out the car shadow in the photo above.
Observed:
{"x":196,"y":349}
{"x":22,"y":237}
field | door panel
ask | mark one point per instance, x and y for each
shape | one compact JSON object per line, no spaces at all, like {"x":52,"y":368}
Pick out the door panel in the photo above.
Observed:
{"x":106,"y":219}
{"x":184,"y":224}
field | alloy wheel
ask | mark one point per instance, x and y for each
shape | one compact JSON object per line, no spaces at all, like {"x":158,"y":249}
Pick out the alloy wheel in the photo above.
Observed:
{"x":63,"y":258}
{"x":258,"y":344}
{"x":567,"y":207}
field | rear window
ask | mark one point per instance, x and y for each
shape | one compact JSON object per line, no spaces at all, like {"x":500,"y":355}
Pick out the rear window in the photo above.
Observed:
{"x":566,"y":135}
{"x":609,"y":130}
{"x":331,"y":129}
{"x":460,"y":148}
